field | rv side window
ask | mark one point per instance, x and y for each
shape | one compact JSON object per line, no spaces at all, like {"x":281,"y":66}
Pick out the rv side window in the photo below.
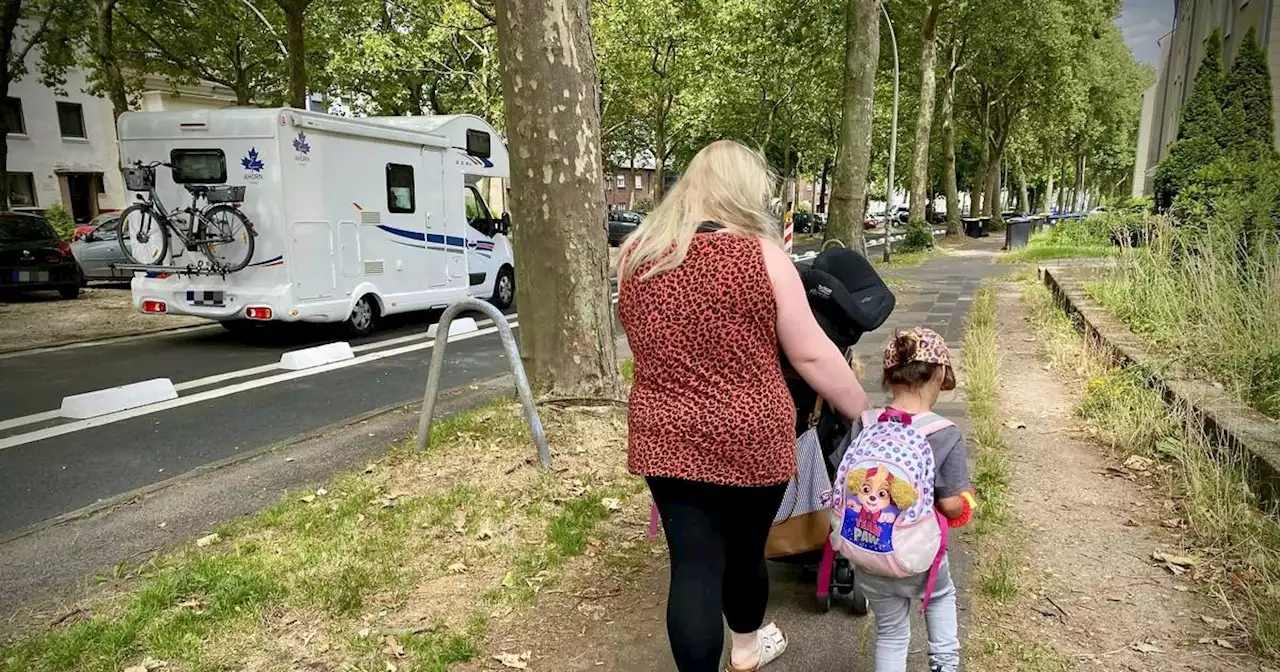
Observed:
{"x":199,"y":166}
{"x":399,"y":188}
{"x":478,"y":213}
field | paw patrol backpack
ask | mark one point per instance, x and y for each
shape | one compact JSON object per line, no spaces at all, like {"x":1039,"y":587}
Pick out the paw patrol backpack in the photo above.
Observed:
{"x":883,"y":515}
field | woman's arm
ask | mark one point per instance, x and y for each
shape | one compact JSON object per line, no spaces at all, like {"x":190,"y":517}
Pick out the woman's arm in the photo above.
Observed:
{"x":807,"y":347}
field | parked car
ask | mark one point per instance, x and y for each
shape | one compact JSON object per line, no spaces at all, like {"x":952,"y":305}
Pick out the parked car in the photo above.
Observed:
{"x":84,"y":229}
{"x":32,"y":257}
{"x":621,"y":223}
{"x":97,"y":250}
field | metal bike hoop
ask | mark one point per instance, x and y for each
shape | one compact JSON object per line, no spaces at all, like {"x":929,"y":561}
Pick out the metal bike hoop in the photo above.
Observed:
{"x":513,"y":358}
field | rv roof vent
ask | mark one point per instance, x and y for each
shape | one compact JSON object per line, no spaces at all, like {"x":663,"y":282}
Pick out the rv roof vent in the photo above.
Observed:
{"x":370,"y":217}
{"x":373,"y":267}
{"x":194,"y":126}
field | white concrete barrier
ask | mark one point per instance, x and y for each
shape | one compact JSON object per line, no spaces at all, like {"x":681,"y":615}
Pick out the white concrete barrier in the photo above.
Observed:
{"x":306,"y":358}
{"x":102,"y":402}
{"x":460,"y":325}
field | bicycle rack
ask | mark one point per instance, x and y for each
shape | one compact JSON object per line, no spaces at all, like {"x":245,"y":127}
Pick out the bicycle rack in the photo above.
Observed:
{"x":513,"y":358}
{"x":198,"y":268}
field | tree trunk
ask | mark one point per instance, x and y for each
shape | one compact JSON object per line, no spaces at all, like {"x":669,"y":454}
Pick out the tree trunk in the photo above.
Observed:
{"x":1078,"y":200}
{"x":566,"y":331}
{"x":104,"y":49}
{"x":821,"y":201}
{"x":1048,"y":191}
{"x":660,"y":156}
{"x":924,"y":117}
{"x":991,"y":202}
{"x":294,"y":13}
{"x":1024,"y":198}
{"x":949,"y":150}
{"x":979,"y":190}
{"x":10,"y":12}
{"x":861,"y":56}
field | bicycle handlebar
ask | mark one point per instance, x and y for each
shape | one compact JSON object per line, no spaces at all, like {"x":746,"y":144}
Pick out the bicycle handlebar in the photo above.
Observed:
{"x":152,"y":164}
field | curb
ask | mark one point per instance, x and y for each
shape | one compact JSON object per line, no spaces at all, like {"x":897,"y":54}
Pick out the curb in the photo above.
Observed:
{"x":102,"y":340}
{"x":1222,"y":415}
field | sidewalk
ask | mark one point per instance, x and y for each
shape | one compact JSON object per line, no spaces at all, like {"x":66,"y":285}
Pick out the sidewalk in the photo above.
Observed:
{"x":621,"y":624}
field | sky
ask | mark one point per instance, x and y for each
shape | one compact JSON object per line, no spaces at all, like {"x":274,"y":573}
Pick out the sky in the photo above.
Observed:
{"x":1143,"y":22}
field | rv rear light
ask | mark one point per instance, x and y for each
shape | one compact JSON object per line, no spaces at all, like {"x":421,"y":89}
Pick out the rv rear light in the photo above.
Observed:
{"x":257,"y":313}
{"x":154,"y":307}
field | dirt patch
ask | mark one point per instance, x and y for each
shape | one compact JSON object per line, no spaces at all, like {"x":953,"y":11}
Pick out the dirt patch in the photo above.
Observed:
{"x":1088,"y":591}
{"x":41,"y":319}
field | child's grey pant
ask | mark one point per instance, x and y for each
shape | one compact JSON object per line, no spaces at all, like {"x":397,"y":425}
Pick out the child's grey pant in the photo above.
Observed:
{"x":891,"y":601}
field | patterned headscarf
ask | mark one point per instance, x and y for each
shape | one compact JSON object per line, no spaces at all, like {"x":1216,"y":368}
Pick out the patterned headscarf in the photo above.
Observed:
{"x":930,"y":349}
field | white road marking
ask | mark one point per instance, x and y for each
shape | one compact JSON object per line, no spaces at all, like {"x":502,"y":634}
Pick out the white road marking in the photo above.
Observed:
{"x":382,"y":351}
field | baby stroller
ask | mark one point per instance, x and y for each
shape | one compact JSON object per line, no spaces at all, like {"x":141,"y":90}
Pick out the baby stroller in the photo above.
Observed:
{"x":848,"y":298}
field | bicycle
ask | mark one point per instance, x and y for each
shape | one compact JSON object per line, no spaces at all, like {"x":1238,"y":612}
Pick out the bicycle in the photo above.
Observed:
{"x":219,"y":230}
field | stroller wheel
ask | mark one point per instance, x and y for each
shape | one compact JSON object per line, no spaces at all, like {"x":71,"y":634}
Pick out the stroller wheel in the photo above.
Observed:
{"x":857,"y":600}
{"x":823,"y":603}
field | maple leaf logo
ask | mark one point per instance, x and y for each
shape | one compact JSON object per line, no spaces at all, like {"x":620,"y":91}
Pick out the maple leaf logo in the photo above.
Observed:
{"x":300,"y":144}
{"x":252,"y":162}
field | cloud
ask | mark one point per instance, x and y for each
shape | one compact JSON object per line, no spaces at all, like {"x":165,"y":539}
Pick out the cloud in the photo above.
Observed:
{"x":1142,"y":22}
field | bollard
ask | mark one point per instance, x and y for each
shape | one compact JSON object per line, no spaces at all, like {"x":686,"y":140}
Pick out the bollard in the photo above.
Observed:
{"x":513,"y":357}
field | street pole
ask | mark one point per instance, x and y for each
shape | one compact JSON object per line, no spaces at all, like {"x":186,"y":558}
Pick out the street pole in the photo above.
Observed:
{"x":890,"y":215}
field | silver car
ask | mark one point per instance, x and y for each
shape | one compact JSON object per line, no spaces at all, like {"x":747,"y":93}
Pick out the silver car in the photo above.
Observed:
{"x":99,"y":249}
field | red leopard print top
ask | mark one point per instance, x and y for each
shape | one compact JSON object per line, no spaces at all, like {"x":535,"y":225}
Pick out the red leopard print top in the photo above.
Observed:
{"x":709,"y":401}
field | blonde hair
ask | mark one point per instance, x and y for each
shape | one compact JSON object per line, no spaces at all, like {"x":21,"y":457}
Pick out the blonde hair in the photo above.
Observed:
{"x":726,"y":183}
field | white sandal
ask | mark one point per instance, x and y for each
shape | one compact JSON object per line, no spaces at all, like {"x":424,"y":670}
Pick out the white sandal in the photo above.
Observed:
{"x":772,"y":644}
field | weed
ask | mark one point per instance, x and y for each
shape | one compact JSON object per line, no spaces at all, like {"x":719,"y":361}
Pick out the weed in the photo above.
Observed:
{"x":1037,"y":250}
{"x":997,"y":577}
{"x":628,"y":370}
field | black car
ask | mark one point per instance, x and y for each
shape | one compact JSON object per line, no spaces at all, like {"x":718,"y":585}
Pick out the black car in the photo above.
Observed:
{"x":33,"y":257}
{"x":621,"y":223}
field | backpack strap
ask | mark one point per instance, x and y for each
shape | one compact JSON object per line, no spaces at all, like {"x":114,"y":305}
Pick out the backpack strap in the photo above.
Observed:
{"x":931,"y":423}
{"x":869,"y":416}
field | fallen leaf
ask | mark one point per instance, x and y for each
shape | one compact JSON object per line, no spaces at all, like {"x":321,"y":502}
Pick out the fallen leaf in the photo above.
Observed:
{"x":194,"y":605}
{"x":515,"y":661}
{"x":390,"y":666}
{"x":1015,"y":424}
{"x":368,"y":468}
{"x":288,"y":459}
{"x":394,"y":647}
{"x":458,"y":568}
{"x":364,"y":632}
{"x":208,"y":540}
{"x":321,"y":492}
{"x":1138,"y":463}
{"x":147,"y":665}
{"x":1224,"y":644}
{"x":1130,"y":523}
{"x":509,"y":580}
{"x":611,"y":503}
{"x":485,"y":533}
{"x":307,"y":499}
{"x":1218,"y":623}
{"x":1143,"y":647}
{"x":1177,"y":560}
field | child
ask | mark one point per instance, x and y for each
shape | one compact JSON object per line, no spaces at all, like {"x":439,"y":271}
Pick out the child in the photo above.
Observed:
{"x":917,"y":367}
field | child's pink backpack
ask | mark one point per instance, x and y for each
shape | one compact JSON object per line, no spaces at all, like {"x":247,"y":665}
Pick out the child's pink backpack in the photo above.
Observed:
{"x":883,"y":516}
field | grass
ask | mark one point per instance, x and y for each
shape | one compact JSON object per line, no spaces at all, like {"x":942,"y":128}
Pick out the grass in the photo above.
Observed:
{"x":1036,"y":251}
{"x":1225,"y":521}
{"x":1210,"y":301}
{"x":364,"y":545}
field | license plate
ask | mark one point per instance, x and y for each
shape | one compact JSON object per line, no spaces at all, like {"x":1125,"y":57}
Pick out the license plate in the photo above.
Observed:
{"x":212,"y":299}
{"x":30,"y":276}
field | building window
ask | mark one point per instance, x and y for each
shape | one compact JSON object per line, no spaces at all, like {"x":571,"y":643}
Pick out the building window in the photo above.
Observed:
{"x":400,"y":188}
{"x":639,"y":181}
{"x":71,"y":120}
{"x":622,"y":181}
{"x":13,"y":121}
{"x":22,"y":190}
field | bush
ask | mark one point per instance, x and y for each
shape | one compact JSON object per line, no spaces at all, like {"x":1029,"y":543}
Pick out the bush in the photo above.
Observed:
{"x":643,"y":207}
{"x":918,"y":237}
{"x":60,"y":219}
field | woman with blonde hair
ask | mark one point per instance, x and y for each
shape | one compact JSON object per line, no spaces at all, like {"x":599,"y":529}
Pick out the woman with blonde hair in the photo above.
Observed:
{"x":707,"y":298}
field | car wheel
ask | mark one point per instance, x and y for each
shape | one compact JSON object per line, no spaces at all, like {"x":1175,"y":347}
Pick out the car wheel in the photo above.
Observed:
{"x":504,"y":288}
{"x":70,"y":292}
{"x":364,"y":317}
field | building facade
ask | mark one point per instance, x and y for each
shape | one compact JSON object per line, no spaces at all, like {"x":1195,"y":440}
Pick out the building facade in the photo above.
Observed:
{"x":1181,"y":51}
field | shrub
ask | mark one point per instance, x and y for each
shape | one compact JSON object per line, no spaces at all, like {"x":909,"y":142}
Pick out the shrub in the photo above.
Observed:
{"x":918,"y":237}
{"x":60,"y":219}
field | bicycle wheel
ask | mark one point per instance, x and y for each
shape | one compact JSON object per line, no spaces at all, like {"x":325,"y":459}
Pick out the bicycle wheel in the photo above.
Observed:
{"x":226,"y":237}
{"x":143,"y":238}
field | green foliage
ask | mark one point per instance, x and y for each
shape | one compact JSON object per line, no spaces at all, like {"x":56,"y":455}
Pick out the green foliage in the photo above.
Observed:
{"x":60,"y":219}
{"x":918,"y":237}
{"x":1248,"y":96}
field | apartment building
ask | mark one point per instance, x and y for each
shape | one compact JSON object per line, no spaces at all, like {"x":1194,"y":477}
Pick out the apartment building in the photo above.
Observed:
{"x":1180,"y":53}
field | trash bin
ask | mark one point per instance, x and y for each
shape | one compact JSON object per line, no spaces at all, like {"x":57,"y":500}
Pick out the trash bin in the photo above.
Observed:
{"x":984,"y":223}
{"x":973,"y":227}
{"x":1016,"y":233}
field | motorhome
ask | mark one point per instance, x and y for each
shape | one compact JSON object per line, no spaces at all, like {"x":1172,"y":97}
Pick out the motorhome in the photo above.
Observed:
{"x":352,"y":219}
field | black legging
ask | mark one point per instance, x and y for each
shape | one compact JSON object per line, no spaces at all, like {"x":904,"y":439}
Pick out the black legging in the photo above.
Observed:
{"x":716,"y":536}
